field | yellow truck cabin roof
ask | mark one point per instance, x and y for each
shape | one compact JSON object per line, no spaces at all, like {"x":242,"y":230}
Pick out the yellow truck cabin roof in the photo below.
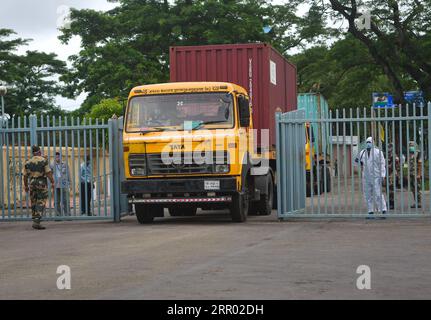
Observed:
{"x":184,"y":87}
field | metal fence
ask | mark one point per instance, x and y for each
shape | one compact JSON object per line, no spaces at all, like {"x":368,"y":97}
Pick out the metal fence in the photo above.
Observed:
{"x":336,"y":183}
{"x":75,"y":139}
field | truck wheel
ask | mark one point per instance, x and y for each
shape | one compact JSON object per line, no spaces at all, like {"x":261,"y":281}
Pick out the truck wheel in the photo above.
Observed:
{"x":240,"y":204}
{"x":145,"y":213}
{"x":252,"y":210}
{"x":265,"y":202}
{"x":308,"y":184}
{"x":328,"y":180}
{"x":322,"y":180}
{"x":182,"y":211}
{"x":275,"y":200}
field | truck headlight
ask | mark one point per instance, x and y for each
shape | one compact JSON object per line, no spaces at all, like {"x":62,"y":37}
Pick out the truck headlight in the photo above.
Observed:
{"x":138,"y":165}
{"x":222,"y":168}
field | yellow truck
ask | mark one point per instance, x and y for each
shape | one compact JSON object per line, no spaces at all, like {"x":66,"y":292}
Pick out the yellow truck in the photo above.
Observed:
{"x":188,"y":146}
{"x":207,"y":139}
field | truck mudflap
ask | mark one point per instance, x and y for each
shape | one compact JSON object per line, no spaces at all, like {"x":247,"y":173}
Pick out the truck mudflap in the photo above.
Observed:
{"x":182,"y":200}
{"x":180,"y":185}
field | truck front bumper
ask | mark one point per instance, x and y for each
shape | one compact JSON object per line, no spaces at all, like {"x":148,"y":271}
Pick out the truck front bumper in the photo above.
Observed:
{"x":178,"y":186}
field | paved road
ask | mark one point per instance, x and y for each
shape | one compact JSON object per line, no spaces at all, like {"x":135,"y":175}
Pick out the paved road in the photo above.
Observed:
{"x":209,"y":257}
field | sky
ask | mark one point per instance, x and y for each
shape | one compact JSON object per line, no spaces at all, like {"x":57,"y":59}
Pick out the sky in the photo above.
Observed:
{"x":39,"y":20}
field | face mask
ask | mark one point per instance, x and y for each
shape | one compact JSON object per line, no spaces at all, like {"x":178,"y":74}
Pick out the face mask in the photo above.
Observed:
{"x":412,"y":149}
{"x":369,"y":145}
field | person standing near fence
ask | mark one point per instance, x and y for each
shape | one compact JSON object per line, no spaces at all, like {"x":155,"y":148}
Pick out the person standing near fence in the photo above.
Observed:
{"x":86,"y":186}
{"x":37,"y":170}
{"x":373,"y":166}
{"x":393,"y":161}
{"x":62,"y":184}
{"x":415,"y":167}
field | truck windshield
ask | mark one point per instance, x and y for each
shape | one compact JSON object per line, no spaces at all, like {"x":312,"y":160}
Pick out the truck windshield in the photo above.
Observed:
{"x":179,"y":111}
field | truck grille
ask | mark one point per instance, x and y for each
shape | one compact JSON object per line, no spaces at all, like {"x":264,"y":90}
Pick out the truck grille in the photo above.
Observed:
{"x":137,"y":164}
{"x":137,"y":160}
{"x":186,"y":165}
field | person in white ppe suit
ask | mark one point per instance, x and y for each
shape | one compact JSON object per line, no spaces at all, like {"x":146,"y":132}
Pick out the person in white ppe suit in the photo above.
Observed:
{"x":373,"y":166}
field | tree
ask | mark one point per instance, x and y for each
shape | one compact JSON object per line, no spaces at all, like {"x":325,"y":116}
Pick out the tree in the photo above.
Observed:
{"x":398,"y":40}
{"x":345,"y":73}
{"x":7,"y":56}
{"x":106,"y":109}
{"x":129,"y":45}
{"x":31,"y":78}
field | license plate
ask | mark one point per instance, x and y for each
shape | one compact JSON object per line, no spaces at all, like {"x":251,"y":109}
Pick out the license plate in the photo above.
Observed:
{"x":212,"y":185}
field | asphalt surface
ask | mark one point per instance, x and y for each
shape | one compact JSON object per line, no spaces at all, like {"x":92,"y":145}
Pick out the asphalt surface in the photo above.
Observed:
{"x":209,"y":257}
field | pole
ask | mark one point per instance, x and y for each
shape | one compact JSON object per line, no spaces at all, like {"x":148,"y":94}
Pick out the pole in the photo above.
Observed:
{"x":2,"y":107}
{"x":1,"y":150}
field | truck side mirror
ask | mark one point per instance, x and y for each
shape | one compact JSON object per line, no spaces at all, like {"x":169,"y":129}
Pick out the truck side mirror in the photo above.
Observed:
{"x":244,"y":111}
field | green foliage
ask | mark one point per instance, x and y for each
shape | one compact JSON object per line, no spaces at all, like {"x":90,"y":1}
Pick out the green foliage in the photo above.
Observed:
{"x":344,"y":73}
{"x":31,"y":78}
{"x":106,"y":109}
{"x":398,"y":38}
{"x":129,"y":45}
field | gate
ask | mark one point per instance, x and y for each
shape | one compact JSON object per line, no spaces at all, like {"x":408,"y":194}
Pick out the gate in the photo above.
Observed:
{"x":290,"y":163}
{"x":80,"y":195}
{"x":323,"y":174}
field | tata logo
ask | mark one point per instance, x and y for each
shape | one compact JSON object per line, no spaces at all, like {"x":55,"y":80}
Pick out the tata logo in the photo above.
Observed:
{"x":177,"y":147}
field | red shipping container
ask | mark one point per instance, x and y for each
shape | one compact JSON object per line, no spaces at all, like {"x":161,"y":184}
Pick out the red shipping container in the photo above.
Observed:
{"x":267,"y":76}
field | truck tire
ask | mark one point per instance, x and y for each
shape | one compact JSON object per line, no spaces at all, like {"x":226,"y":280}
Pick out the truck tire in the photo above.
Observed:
{"x":145,"y":213}
{"x":252,"y":210}
{"x":182,"y":211}
{"x":240,"y":204}
{"x":328,"y":180}
{"x":264,"y":205}
{"x":308,"y":184}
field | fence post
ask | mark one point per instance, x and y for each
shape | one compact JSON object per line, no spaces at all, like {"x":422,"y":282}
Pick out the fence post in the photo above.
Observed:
{"x":113,"y":158}
{"x":429,"y":150}
{"x":33,"y":130}
{"x":278,"y":164}
{"x":124,"y":203}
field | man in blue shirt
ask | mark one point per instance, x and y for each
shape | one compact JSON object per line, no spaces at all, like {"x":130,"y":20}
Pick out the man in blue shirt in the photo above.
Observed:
{"x":61,"y":175}
{"x":86,"y":186}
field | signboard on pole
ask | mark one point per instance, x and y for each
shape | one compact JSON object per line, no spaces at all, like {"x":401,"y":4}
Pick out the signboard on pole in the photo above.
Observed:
{"x":416,"y":97}
{"x":382,"y":100}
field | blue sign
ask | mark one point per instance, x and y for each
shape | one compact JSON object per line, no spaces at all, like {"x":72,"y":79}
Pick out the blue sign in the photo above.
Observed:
{"x":382,"y":100}
{"x":416,"y":97}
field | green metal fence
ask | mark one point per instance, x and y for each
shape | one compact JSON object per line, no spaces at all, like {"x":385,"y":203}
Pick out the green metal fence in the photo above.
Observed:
{"x":337,"y":185}
{"x":75,"y":139}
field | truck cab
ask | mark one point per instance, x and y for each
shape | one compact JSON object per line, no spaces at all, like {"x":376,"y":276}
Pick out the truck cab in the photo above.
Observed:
{"x":189,"y":145}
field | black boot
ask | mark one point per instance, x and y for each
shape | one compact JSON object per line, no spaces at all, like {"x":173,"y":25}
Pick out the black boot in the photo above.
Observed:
{"x":370,"y":215}
{"x":37,"y":225}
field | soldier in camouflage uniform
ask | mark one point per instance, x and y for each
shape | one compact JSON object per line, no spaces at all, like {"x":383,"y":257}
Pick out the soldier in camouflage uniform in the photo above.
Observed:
{"x":37,"y":170}
{"x":392,"y":176}
{"x":415,"y":167}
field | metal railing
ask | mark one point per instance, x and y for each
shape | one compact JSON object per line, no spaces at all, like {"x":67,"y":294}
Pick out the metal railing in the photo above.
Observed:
{"x":336,"y":183}
{"x":75,"y":140}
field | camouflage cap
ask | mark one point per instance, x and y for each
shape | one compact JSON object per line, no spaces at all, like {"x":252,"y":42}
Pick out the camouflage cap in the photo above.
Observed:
{"x":35,"y":149}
